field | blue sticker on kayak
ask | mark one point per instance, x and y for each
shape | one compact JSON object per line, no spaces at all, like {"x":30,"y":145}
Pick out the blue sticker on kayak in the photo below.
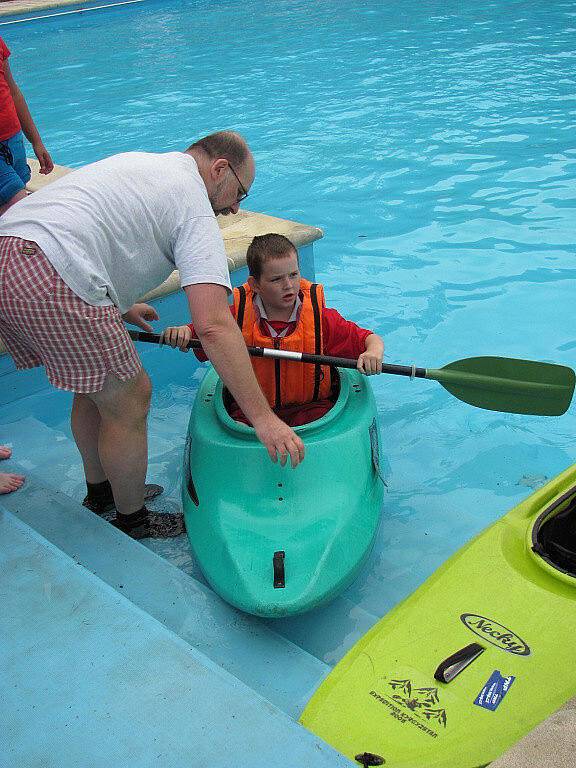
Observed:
{"x":494,"y":691}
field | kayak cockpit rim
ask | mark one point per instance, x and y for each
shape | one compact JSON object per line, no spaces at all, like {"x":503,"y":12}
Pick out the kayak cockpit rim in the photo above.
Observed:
{"x":556,"y":553}
{"x":345,"y":389}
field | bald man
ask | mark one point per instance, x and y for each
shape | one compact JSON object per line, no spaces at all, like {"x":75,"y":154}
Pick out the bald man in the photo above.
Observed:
{"x":76,"y":255}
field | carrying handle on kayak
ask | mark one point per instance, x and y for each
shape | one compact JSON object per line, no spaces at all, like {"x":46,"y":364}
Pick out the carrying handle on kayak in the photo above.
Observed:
{"x":278,"y":567}
{"x":453,"y":665}
{"x":369,"y":758}
{"x":501,"y":384}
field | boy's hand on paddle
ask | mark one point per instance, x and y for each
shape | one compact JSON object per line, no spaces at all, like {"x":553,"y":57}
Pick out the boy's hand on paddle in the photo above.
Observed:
{"x":280,"y":441}
{"x":370,"y":361}
{"x":177,"y":336}
{"x":139,"y":314}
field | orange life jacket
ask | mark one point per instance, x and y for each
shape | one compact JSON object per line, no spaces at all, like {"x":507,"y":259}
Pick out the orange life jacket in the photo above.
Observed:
{"x":285,"y":382}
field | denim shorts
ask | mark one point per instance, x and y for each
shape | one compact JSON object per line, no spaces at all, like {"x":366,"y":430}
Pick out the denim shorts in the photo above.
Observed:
{"x":14,"y":171}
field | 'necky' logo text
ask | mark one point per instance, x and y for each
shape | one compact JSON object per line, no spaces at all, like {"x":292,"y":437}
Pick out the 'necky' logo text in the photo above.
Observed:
{"x":495,"y":634}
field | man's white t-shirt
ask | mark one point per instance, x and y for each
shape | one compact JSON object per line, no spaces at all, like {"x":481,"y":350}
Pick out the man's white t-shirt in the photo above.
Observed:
{"x":117,"y":228}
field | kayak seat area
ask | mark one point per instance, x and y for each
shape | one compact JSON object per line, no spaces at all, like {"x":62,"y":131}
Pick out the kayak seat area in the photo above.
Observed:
{"x":228,"y":400}
{"x":554,"y":535}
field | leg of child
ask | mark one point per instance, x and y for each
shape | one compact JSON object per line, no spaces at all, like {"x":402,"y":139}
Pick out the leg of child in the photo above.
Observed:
{"x":8,"y":481}
{"x":14,"y":171}
{"x":18,"y":196}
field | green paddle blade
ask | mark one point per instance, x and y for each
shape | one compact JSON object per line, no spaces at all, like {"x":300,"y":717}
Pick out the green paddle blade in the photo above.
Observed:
{"x":506,"y":384}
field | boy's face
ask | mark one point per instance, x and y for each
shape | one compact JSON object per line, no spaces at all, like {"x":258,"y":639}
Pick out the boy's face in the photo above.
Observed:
{"x":278,"y":285}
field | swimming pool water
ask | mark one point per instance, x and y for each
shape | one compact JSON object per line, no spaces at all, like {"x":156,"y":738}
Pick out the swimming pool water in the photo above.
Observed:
{"x":434,"y":142}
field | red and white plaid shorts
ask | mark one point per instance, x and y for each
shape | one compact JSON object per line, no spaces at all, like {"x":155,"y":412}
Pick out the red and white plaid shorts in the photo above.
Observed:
{"x":43,"y":322}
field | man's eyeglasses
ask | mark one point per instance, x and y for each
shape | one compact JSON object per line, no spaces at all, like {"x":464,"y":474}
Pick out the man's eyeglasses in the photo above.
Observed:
{"x":243,"y":191}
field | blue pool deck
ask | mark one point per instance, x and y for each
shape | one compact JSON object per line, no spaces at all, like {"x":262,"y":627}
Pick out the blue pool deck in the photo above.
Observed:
{"x":102,"y":661}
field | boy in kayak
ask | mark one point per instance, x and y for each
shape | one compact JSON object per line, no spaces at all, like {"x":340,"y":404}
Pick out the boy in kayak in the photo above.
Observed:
{"x":278,"y":308}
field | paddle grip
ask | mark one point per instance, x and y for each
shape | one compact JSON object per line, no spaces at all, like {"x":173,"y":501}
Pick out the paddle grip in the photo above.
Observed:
{"x":154,"y":338}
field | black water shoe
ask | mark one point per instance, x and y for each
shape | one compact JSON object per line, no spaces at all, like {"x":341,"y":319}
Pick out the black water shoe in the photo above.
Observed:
{"x":150,"y":525}
{"x":101,"y":501}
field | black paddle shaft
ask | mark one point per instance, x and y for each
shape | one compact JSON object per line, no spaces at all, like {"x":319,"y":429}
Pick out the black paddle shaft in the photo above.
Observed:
{"x":345,"y":362}
{"x":303,"y":357}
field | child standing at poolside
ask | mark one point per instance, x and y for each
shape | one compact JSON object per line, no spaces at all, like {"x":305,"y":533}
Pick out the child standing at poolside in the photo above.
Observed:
{"x":278,"y":308}
{"x":15,"y":118}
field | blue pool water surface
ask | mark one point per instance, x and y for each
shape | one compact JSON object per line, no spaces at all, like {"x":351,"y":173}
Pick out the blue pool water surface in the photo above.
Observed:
{"x":434,"y":142}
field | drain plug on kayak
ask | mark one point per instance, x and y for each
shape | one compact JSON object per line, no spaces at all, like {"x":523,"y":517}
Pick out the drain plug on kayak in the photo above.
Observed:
{"x":369,"y":758}
{"x":278,"y":565}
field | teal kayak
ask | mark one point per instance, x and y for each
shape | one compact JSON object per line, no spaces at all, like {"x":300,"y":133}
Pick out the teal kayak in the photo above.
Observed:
{"x":276,"y":541}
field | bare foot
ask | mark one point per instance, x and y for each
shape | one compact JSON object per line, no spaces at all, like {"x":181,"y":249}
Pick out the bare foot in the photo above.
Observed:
{"x":5,"y":452}
{"x":9,"y":483}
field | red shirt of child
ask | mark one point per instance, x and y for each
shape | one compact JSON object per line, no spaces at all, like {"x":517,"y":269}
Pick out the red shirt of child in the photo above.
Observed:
{"x":9,"y":123}
{"x":341,"y":338}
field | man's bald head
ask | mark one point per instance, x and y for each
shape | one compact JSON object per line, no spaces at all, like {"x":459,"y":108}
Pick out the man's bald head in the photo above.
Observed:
{"x":226,"y":144}
{"x":226,"y":165}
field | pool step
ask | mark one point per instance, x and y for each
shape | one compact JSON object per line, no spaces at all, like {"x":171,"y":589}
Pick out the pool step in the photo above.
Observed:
{"x":245,"y":646}
{"x":90,"y":678}
{"x":56,"y":464}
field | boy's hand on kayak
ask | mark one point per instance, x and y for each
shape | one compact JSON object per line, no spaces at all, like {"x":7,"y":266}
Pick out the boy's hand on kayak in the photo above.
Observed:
{"x":280,"y":441}
{"x":177,"y":336}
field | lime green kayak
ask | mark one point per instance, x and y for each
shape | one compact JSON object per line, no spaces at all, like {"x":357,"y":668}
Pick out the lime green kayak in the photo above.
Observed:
{"x":475,"y":658}
{"x":271,"y":540}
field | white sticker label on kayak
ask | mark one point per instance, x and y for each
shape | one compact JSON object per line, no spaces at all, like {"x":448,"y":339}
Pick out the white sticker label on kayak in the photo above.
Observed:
{"x":494,"y":691}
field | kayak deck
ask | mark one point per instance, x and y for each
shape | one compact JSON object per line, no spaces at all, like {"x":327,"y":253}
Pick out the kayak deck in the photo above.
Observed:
{"x":513,"y":612}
